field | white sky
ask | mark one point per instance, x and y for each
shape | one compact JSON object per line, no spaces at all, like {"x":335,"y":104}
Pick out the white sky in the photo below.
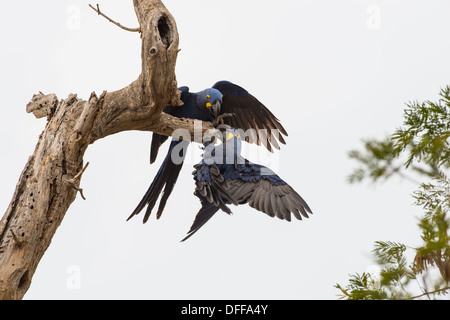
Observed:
{"x":332,"y":71}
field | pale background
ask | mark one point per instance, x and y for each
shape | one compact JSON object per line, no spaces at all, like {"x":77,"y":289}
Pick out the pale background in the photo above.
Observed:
{"x":332,"y":71}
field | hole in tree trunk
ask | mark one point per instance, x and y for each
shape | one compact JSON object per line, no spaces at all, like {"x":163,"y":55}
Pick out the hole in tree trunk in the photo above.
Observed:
{"x":23,"y":282}
{"x":165,"y":31}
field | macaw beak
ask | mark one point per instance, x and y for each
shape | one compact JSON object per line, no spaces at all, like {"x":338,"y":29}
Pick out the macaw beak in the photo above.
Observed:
{"x":215,"y":109}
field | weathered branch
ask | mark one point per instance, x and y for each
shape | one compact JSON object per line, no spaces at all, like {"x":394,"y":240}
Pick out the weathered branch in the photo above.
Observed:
{"x":42,"y":105}
{"x":50,"y":180}
{"x":112,"y":21}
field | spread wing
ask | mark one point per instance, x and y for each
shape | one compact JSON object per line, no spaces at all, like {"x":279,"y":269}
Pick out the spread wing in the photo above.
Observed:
{"x":274,"y":200}
{"x":250,"y":114}
{"x":269,"y":195}
{"x":278,"y":201}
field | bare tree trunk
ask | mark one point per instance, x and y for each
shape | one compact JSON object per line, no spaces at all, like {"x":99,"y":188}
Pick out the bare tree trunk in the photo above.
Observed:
{"x":51,"y":178}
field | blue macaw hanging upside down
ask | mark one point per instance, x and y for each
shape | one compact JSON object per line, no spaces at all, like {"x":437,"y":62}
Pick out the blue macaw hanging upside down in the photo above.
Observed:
{"x":223,"y":98}
{"x":224,"y":177}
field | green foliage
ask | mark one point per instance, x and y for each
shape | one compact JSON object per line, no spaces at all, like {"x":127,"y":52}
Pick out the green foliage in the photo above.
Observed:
{"x":363,"y":287}
{"x":420,"y":147}
{"x":421,"y":144}
{"x":378,"y":161}
{"x":425,"y":132}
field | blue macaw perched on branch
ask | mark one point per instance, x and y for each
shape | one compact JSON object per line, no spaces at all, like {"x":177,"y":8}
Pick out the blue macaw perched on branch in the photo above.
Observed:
{"x":223,"y":98}
{"x":225,"y":177}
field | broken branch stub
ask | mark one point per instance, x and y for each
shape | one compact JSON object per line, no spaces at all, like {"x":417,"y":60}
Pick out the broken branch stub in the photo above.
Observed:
{"x":42,"y":105}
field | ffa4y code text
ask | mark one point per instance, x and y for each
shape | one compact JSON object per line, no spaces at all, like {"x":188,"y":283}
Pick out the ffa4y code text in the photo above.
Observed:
{"x":230,"y":309}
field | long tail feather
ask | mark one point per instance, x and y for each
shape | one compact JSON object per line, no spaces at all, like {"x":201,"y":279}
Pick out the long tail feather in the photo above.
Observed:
{"x":206,"y":212}
{"x":157,"y":141}
{"x":165,"y":178}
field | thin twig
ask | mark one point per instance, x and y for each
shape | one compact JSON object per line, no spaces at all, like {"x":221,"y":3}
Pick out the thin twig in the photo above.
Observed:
{"x":74,"y":180}
{"x":431,"y":292}
{"x":111,"y":20}
{"x":80,"y":190}
{"x":79,"y":174}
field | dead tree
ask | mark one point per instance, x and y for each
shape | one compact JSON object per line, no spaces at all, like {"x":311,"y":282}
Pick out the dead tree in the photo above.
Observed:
{"x":51,"y":178}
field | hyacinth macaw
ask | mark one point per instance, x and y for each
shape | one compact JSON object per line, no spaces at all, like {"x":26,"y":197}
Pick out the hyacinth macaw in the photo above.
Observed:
{"x":223,"y":98}
{"x":224,"y":177}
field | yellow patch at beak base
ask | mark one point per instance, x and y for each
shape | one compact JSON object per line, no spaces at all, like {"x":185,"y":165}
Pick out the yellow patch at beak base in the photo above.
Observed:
{"x":208,"y":105}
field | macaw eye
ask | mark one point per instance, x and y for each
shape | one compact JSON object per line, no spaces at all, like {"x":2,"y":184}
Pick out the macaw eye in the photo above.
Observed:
{"x":208,"y":97}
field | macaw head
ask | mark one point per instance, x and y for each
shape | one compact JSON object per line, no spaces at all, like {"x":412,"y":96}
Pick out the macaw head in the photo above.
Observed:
{"x":210,"y":99}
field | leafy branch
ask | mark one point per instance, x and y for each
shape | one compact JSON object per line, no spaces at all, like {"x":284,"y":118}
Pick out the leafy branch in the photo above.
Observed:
{"x":417,"y":150}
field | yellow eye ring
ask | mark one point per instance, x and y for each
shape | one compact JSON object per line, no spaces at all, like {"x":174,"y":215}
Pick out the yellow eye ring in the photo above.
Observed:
{"x":208,"y":97}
